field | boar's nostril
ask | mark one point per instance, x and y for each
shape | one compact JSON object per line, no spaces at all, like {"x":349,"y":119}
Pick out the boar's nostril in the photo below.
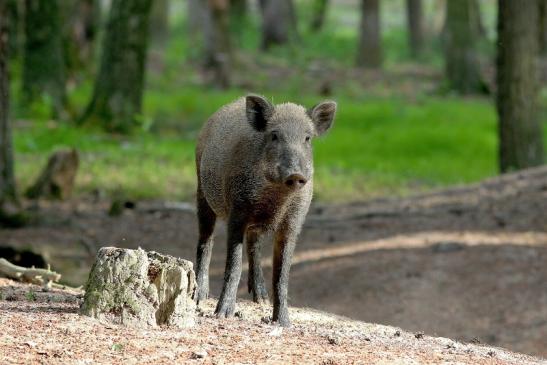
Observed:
{"x":295,"y":180}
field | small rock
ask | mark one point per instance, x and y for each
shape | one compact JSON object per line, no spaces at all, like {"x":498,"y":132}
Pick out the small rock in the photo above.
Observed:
{"x":334,"y":340}
{"x":200,"y":354}
{"x":276,"y":332}
{"x":239,"y":314}
{"x":266,"y":319}
{"x":31,"y":344}
{"x":397,"y":333}
{"x":491,"y":353}
{"x":419,"y":335}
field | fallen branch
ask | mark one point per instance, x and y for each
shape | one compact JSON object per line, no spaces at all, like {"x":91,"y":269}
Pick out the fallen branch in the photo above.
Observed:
{"x":30,"y":275}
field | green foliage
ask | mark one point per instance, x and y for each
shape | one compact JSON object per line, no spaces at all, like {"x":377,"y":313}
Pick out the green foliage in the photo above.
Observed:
{"x":117,"y":347}
{"x":391,"y":136}
{"x":376,"y":147}
{"x":31,"y":296}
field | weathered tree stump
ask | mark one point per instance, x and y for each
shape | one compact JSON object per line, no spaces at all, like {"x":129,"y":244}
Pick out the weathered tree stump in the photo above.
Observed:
{"x":140,"y":289}
{"x":57,"y":179}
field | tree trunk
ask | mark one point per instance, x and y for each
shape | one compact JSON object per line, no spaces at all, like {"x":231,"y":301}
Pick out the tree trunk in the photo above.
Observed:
{"x":43,"y":63}
{"x":81,"y":23}
{"x":238,"y":10}
{"x":369,"y":54}
{"x":159,"y":21}
{"x":520,"y":132}
{"x":461,"y":59}
{"x":319,"y":14}
{"x":140,"y":289}
{"x":7,"y":180}
{"x":415,"y":26}
{"x":278,"y":22}
{"x":218,"y":51}
{"x":543,"y":27}
{"x":14,"y":14}
{"x":117,"y":97}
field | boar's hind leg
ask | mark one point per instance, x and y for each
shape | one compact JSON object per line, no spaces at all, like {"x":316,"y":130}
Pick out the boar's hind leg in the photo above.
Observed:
{"x":227,"y":301}
{"x":206,"y":222}
{"x":255,"y":280}
{"x":284,"y":241}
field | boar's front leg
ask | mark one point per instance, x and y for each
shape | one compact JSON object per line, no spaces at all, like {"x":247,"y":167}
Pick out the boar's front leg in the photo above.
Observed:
{"x":255,"y":280}
{"x":284,"y":242}
{"x":227,"y":301}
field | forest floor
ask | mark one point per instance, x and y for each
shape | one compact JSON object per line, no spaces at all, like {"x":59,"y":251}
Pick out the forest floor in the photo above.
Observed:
{"x":44,"y":327}
{"x":466,"y":263}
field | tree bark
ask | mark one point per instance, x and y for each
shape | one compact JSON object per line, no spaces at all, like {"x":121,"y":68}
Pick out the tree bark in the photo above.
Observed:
{"x":81,"y":23}
{"x":520,"y":131}
{"x":7,"y":179}
{"x":117,"y":97}
{"x":543,"y":27}
{"x":43,"y":63}
{"x":238,"y":11}
{"x":159,"y":21}
{"x":219,"y":54}
{"x":319,"y":15}
{"x":415,"y":26}
{"x":14,"y":14}
{"x":369,"y":54}
{"x":461,"y":59}
{"x":279,"y":23}
{"x":140,"y":289}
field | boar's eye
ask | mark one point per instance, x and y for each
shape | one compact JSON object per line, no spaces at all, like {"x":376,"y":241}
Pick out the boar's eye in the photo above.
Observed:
{"x":308,"y":138}
{"x":274,"y":136}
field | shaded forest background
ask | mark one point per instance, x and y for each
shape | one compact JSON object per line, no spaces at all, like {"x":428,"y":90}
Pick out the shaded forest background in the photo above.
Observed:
{"x":128,"y":83}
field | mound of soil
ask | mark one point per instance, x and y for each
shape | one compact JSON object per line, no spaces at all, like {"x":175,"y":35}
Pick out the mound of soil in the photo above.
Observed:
{"x":45,"y":327}
{"x":465,"y":263}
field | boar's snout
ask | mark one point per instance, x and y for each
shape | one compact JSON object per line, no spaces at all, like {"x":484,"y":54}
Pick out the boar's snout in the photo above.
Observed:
{"x":295,"y":181}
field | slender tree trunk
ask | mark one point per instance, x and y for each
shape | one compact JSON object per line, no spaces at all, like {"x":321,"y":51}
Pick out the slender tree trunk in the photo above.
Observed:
{"x":319,"y":14}
{"x":218,"y":57}
{"x":117,"y":97}
{"x":543,"y":27}
{"x":14,"y":15}
{"x":81,"y":23}
{"x":7,"y":180}
{"x":278,"y":22}
{"x":159,"y":21}
{"x":415,"y":26}
{"x":43,"y":64}
{"x":369,"y":54}
{"x":461,"y":59}
{"x":238,"y":10}
{"x":520,"y":131}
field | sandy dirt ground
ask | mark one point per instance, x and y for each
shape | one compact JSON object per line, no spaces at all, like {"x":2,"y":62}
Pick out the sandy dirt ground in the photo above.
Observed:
{"x":466,"y":263}
{"x":44,"y":327}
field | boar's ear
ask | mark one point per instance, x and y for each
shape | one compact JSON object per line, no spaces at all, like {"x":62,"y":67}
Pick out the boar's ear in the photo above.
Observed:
{"x":258,"y":110}
{"x":322,"y":115}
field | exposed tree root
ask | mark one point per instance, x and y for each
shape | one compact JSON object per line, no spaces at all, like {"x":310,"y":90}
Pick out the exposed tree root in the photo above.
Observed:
{"x":31,"y":275}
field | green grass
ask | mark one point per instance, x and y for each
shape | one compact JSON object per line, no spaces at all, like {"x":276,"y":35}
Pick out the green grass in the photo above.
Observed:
{"x":390,"y":137}
{"x":376,"y":147}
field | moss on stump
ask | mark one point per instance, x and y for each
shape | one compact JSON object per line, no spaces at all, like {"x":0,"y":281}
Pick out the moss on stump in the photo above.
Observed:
{"x":141,"y":289}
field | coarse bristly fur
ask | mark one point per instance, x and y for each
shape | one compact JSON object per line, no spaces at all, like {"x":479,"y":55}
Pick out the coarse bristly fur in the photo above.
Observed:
{"x":255,"y":170}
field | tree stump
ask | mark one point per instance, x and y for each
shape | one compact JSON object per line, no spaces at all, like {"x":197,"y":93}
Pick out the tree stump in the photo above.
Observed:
{"x":140,"y":289}
{"x":57,"y":179}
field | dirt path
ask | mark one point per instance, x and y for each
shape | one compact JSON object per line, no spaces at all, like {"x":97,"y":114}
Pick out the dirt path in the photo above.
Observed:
{"x":462,"y":263}
{"x":45,"y":328}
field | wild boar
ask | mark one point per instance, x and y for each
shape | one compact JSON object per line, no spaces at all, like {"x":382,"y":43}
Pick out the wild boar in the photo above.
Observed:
{"x":255,"y":170}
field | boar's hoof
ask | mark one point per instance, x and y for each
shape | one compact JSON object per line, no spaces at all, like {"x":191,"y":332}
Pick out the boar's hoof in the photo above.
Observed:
{"x":225,"y":308}
{"x":201,"y":295}
{"x":261,"y":297}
